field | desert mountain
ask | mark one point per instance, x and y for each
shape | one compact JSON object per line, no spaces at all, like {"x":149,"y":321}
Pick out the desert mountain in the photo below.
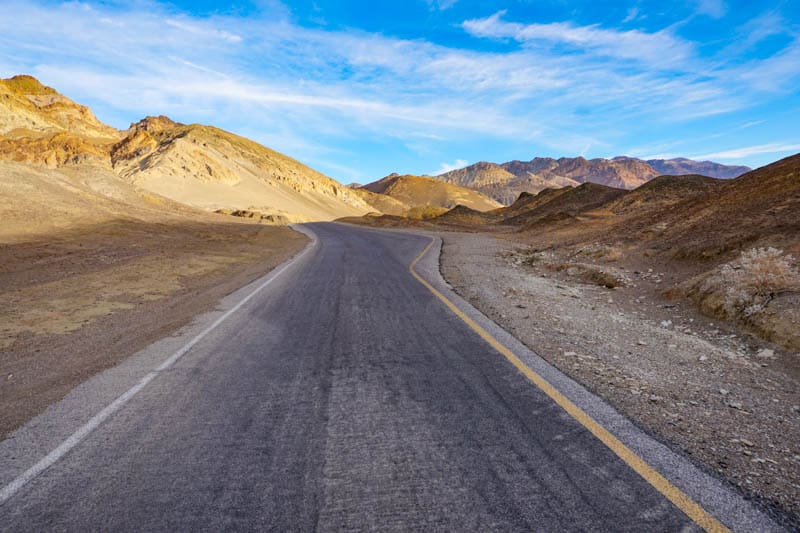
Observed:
{"x":382,"y":203}
{"x":560,"y":204}
{"x":663,"y":192}
{"x":416,"y":191}
{"x":199,"y":166}
{"x":681,"y":166}
{"x":504,"y":182}
{"x":696,"y":224}
{"x":212,"y":169}
{"x":28,"y":108}
{"x":689,"y":216}
{"x":40,"y":126}
{"x":760,"y":208}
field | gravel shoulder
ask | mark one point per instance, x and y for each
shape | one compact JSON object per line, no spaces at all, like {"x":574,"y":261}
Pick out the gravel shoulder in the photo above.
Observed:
{"x":726,"y":399}
{"x":83,"y":300}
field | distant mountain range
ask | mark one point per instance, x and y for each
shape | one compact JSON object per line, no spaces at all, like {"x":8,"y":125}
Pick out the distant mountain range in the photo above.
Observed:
{"x":505,"y":181}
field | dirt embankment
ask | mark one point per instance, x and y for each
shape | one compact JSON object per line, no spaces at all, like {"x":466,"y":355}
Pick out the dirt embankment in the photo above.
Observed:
{"x":84,"y":299}
{"x":727,"y":399}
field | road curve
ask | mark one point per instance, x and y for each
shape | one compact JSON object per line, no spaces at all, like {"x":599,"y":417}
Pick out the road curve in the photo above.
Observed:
{"x":345,"y":396}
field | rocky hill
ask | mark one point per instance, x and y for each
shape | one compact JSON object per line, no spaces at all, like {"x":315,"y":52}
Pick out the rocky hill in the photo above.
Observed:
{"x":417,"y":191}
{"x":694,"y":217}
{"x":695,"y":227}
{"x":198,"y":166}
{"x":504,"y":182}
{"x":40,"y":126}
{"x":28,"y":108}
{"x":212,"y":169}
{"x":382,"y":203}
{"x":560,"y":204}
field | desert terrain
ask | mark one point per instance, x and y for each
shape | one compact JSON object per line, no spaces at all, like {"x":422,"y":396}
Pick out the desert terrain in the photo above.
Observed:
{"x":110,"y":241}
{"x":91,"y":270}
{"x":674,"y":298}
{"x":678,"y":302}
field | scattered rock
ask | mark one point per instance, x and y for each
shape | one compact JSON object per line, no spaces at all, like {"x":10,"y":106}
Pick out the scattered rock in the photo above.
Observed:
{"x":766,"y":353}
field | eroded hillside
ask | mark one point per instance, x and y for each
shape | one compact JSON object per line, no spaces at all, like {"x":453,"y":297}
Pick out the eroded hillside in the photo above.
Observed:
{"x":419,"y":191}
{"x":195,"y":165}
{"x":212,"y":169}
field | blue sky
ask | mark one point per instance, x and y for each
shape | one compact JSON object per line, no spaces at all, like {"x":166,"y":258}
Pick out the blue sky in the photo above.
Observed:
{"x":360,"y":89}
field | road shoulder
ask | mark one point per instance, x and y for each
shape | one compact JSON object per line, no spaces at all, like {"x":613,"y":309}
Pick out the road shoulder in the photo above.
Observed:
{"x":714,"y":495}
{"x":60,"y":423}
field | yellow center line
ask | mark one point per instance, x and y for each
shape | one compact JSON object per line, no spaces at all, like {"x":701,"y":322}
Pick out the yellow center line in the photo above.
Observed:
{"x":683,"y":502}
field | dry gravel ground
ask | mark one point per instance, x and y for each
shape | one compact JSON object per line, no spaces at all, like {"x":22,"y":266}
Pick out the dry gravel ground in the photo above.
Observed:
{"x":729,"y":401}
{"x":83,"y":300}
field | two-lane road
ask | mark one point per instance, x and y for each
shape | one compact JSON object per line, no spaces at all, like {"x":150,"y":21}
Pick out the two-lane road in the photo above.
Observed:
{"x":345,"y":396}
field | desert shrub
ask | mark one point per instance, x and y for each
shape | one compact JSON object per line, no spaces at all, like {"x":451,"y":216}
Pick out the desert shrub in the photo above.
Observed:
{"x":532,"y":257}
{"x":604,"y":252}
{"x":425,"y":212}
{"x":591,"y":274}
{"x":756,"y":278}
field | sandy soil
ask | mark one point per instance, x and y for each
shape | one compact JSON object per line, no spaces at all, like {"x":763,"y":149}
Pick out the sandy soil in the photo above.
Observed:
{"x":84,"y":299}
{"x":729,"y":401}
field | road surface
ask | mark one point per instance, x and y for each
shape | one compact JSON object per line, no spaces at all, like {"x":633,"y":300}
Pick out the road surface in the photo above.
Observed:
{"x":344,"y":396}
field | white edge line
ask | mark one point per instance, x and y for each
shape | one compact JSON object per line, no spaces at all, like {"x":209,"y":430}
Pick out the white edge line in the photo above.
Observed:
{"x":73,"y":440}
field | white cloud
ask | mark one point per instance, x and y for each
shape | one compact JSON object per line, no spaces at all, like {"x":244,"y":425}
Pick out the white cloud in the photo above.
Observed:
{"x":441,"y":5}
{"x":447,"y":167}
{"x":741,"y":153}
{"x":204,"y":29}
{"x":658,"y":49}
{"x":562,"y":86}
{"x":776,"y":73}
{"x":633,"y":14}
{"x":713,"y":8}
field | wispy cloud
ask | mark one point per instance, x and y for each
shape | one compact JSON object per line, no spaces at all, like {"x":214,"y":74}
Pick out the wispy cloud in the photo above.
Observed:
{"x":441,"y":5}
{"x":557,"y":86}
{"x":447,"y":167}
{"x":633,"y":14}
{"x":203,"y":30}
{"x":658,"y":49}
{"x":713,"y":8}
{"x":741,"y":153}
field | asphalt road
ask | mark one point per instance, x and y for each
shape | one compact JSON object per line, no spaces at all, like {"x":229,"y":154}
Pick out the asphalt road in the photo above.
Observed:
{"x":343,"y":397}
